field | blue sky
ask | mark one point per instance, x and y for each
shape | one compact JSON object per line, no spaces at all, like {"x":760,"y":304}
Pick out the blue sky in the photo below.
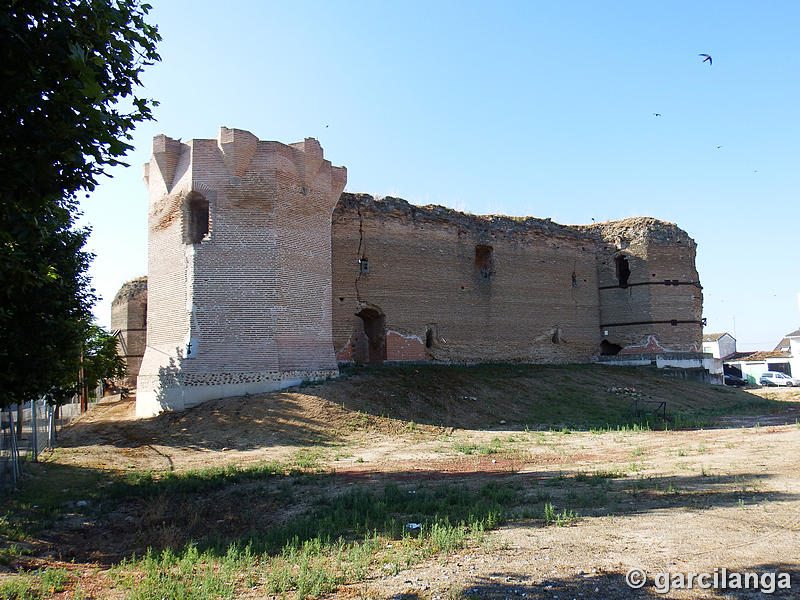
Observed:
{"x":520,"y":108}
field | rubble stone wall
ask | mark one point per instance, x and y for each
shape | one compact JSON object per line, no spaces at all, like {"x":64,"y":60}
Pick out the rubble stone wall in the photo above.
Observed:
{"x":129,"y":320}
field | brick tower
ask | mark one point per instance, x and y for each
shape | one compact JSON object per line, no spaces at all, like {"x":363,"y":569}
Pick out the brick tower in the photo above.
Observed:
{"x":239,"y":268}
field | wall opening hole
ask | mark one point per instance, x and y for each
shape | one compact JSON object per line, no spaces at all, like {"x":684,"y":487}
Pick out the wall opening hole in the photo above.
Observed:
{"x":623,"y":270}
{"x":574,"y":280}
{"x":609,"y":349}
{"x":484,"y":262}
{"x":371,"y":347}
{"x":430,"y":337}
{"x":198,"y":226}
{"x":556,"y":337}
{"x":363,"y":265}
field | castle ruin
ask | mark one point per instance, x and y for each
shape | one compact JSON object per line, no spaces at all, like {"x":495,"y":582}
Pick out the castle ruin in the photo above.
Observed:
{"x":262,"y":273}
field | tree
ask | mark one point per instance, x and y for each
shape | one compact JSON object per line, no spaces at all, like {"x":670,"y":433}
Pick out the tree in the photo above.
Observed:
{"x":68,"y":71}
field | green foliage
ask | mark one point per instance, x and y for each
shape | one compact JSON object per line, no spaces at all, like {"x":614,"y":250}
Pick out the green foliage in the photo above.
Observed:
{"x":101,"y":359}
{"x":65,"y":67}
{"x":21,"y":587}
{"x":33,"y":586}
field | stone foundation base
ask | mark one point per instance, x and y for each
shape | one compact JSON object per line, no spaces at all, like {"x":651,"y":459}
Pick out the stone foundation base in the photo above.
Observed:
{"x":153,"y":398}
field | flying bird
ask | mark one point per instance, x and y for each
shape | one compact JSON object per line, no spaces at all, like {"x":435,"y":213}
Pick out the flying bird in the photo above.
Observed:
{"x":656,"y":114}
{"x":707,"y":58}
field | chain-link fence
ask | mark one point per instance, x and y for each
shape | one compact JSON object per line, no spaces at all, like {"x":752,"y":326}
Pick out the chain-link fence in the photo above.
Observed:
{"x":26,"y":431}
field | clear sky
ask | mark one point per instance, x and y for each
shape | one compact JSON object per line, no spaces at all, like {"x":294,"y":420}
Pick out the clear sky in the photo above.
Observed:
{"x":521,"y":108}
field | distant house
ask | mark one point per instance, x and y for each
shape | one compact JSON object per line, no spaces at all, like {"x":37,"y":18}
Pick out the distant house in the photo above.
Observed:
{"x":785,"y":344}
{"x":720,"y":345}
{"x":784,"y":359}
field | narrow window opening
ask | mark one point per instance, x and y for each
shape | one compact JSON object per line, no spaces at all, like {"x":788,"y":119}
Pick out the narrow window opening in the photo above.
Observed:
{"x":430,"y":337}
{"x":198,"y":228}
{"x":574,"y":280}
{"x":556,"y":337}
{"x":623,"y":271}
{"x":363,"y":265}
{"x":484,"y":262}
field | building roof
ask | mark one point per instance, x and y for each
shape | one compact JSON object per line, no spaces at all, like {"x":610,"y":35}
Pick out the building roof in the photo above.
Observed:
{"x":713,"y":337}
{"x":756,"y":356}
{"x":784,"y":343}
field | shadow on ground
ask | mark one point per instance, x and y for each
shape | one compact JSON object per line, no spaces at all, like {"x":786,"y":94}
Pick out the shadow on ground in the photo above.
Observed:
{"x":387,"y":399}
{"x":85,"y":515}
{"x":613,"y":586}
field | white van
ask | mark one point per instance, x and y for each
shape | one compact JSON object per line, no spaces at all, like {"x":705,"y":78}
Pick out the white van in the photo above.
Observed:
{"x":775,"y":378}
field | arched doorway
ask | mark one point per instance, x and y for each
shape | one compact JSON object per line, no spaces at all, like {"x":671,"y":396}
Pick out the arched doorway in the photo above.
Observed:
{"x":371,"y":347}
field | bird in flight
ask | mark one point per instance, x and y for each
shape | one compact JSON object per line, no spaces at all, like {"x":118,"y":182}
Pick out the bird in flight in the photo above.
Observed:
{"x":656,"y":114}
{"x":707,"y":58}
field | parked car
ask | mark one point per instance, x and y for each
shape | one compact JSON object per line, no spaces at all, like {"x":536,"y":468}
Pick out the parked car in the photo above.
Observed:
{"x":775,"y":378}
{"x":735,"y":381}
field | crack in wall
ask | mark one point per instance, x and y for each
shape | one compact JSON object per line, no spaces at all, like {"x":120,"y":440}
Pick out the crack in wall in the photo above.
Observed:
{"x":360,"y":244}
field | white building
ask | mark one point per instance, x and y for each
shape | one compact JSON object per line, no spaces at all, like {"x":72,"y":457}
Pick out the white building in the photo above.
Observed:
{"x":720,"y":345}
{"x":784,"y":359}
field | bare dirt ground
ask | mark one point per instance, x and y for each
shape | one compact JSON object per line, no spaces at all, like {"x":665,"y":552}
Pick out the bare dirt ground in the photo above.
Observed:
{"x":674,"y":501}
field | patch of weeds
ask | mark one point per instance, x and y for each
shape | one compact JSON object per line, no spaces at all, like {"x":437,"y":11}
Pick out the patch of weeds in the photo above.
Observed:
{"x":337,"y":542}
{"x":591,"y":498}
{"x":307,"y":459}
{"x":701,"y":448}
{"x":411,"y":426}
{"x":52,"y":581}
{"x":34,"y":585}
{"x":494,"y":447}
{"x":555,"y":481}
{"x":19,"y":587}
{"x":548,"y":514}
{"x":638,"y":451}
{"x":598,"y":477}
{"x":190,"y":574}
{"x":565,"y":517}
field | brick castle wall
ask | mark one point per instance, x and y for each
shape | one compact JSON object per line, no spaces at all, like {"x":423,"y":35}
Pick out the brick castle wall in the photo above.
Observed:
{"x":455,"y":287}
{"x":261,"y":273}
{"x":239,"y":268}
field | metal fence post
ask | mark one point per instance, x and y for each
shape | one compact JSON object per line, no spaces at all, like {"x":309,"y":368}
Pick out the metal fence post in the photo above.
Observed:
{"x":3,"y":462}
{"x":14,"y":458}
{"x":34,"y":436}
{"x":51,"y":426}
